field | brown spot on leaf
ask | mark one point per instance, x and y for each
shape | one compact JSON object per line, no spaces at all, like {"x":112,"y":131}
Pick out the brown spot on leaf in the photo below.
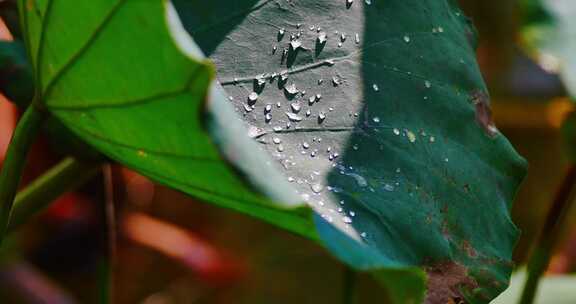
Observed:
{"x":445,"y":281}
{"x":470,"y":251}
{"x":483,"y":112}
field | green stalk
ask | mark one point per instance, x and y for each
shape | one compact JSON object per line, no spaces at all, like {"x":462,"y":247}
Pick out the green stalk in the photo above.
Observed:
{"x":349,"y":285}
{"x":15,"y":161}
{"x":65,"y":176}
{"x":550,"y":235}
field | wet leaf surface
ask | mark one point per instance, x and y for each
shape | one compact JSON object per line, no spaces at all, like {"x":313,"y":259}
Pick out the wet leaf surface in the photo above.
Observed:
{"x":379,"y":116}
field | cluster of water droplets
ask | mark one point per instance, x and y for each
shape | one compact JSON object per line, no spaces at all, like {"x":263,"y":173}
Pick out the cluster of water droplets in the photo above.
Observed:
{"x":309,"y":161}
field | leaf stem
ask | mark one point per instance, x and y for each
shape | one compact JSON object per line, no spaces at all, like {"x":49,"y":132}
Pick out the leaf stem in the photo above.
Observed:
{"x":550,"y":234}
{"x":65,"y":176}
{"x":348,"y":285}
{"x":15,"y":161}
{"x":109,"y":208}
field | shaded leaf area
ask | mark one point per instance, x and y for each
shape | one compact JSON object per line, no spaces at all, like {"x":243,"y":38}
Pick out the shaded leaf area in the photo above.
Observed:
{"x":549,"y":34}
{"x":379,"y":117}
{"x":16,"y":79}
{"x":126,"y":78}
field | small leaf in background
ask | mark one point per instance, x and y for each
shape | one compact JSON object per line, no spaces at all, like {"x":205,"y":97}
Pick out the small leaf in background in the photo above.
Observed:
{"x":553,"y":289}
{"x":549,"y":33}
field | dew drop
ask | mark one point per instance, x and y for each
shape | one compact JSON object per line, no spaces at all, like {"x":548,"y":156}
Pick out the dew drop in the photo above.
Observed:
{"x":388,"y":187}
{"x":280,"y":148}
{"x":276,"y":140}
{"x":247,"y":108}
{"x":296,"y":107}
{"x":322,"y":38}
{"x":375,"y":88}
{"x":291,"y":89}
{"x":376,"y":119}
{"x":347,"y":220}
{"x":312,"y":99}
{"x":268,"y":108}
{"x":293,"y":117}
{"x":295,"y":45}
{"x":396,"y":131}
{"x":253,"y":97}
{"x":321,"y":117}
{"x":305,"y":145}
{"x":261,"y":80}
{"x":357,"y":38}
{"x":335,"y":81}
{"x":411,"y":136}
{"x":427,"y":84}
{"x":406,"y":39}
{"x":283,"y":76}
{"x":317,"y":188}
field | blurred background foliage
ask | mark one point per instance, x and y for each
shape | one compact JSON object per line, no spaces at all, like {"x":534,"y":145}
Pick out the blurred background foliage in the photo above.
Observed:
{"x":172,"y":249}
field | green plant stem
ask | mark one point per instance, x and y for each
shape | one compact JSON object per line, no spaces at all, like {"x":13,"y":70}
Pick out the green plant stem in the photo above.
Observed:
{"x":109,"y":208}
{"x":550,"y":235}
{"x":15,"y":161}
{"x":65,"y":176}
{"x":348,"y":285}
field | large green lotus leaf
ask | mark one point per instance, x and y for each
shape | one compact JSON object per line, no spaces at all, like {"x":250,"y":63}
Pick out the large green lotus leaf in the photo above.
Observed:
{"x":549,"y":33}
{"x":125,"y":77}
{"x":379,"y":116}
{"x":553,"y":289}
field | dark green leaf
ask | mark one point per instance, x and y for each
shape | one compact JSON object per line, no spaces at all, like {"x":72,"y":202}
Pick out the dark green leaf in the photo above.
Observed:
{"x":406,"y":168}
